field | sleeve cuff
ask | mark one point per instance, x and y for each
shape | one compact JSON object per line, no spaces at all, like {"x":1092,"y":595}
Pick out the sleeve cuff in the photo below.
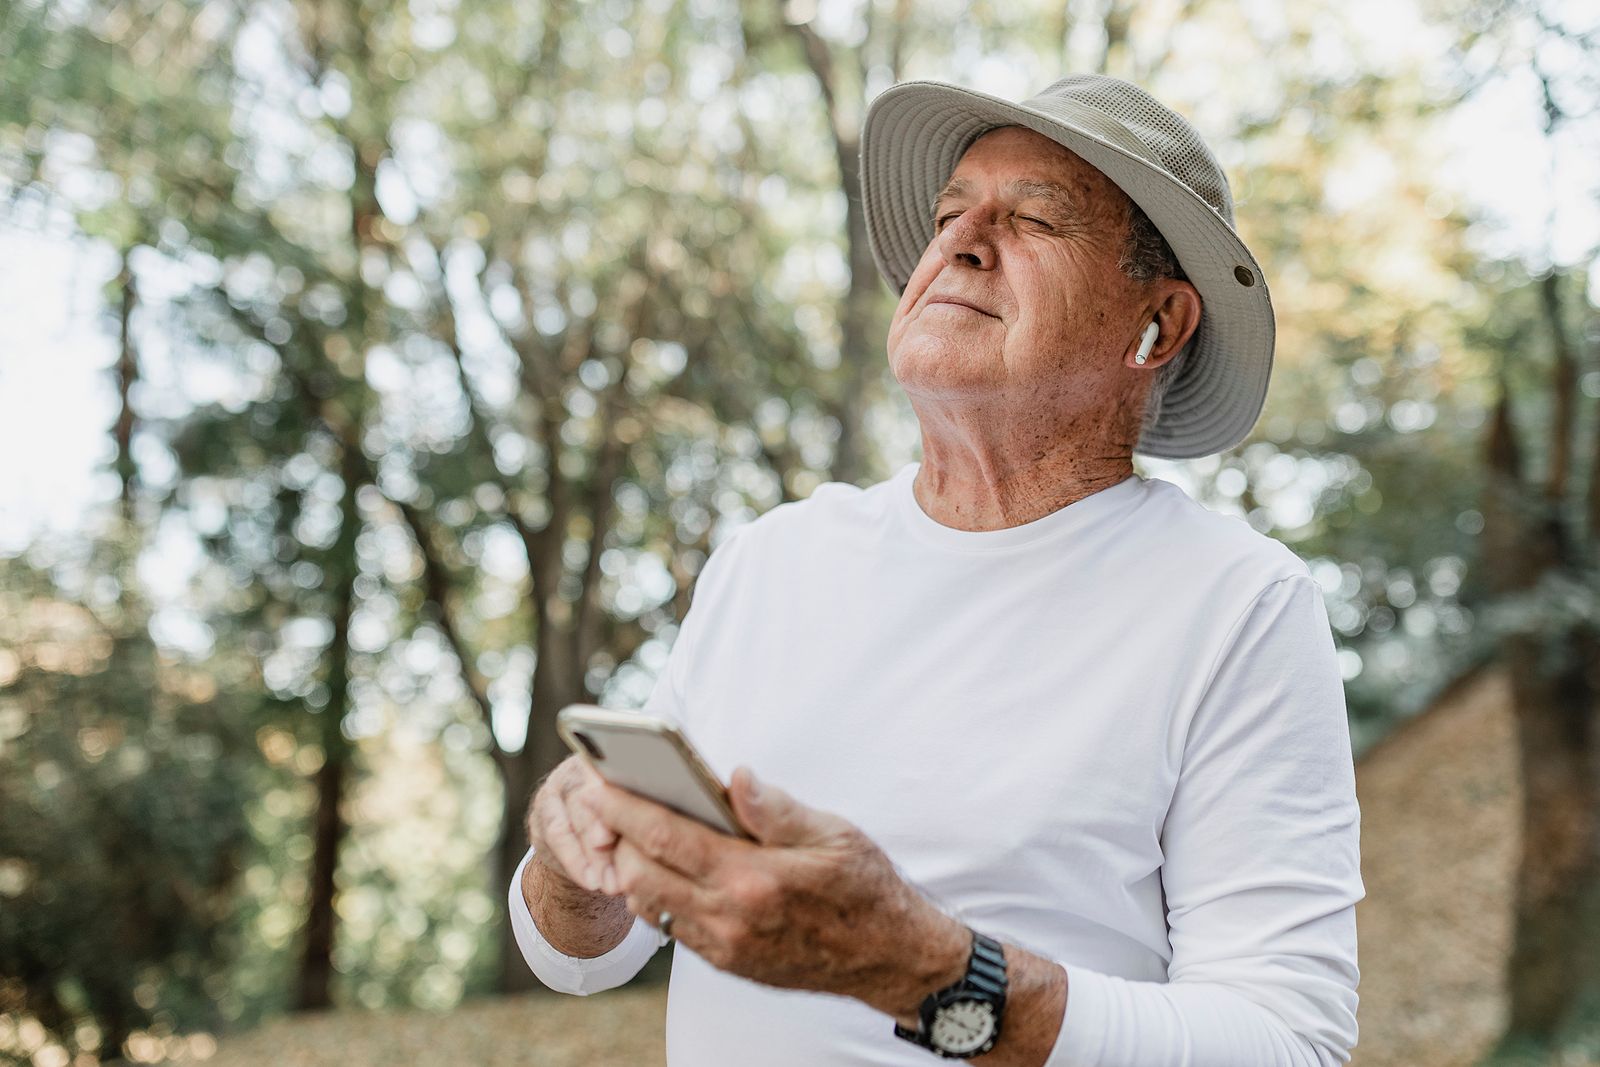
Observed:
{"x":575,"y":974}
{"x":1081,"y":1041}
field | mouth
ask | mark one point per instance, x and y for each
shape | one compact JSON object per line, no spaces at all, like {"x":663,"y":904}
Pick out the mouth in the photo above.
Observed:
{"x":956,"y":301}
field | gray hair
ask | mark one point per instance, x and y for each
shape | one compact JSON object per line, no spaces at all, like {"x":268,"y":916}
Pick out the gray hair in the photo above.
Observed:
{"x":1146,"y":257}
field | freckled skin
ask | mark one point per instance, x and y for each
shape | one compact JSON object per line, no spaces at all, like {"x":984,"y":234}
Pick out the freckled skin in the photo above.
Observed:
{"x":1039,"y":404}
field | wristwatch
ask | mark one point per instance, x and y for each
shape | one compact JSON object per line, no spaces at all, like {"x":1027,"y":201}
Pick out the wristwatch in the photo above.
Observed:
{"x":963,"y":1020}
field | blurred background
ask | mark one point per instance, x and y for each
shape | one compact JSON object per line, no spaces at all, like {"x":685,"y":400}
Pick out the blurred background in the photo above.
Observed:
{"x":375,"y":378}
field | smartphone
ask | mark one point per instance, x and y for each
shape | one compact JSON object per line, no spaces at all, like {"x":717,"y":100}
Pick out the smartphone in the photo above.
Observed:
{"x":649,"y":756}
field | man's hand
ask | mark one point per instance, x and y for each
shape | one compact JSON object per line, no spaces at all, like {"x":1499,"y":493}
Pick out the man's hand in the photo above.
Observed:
{"x":813,"y":904}
{"x":562,"y":884}
{"x":561,"y":825}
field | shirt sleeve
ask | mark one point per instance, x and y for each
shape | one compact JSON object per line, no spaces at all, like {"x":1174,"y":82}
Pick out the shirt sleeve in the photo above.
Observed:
{"x":575,"y":974}
{"x":1261,"y":870}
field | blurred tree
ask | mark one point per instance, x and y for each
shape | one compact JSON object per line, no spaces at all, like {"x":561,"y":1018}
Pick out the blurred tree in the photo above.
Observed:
{"x":1543,"y":562}
{"x":316,"y":970}
{"x":1542,"y":547}
{"x":1541,"y":541}
{"x":842,"y":70}
{"x":605,"y":343}
{"x":123,"y":779}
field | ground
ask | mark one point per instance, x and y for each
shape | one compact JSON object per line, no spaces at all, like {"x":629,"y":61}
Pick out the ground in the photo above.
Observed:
{"x":1440,"y":804}
{"x":618,"y":1029}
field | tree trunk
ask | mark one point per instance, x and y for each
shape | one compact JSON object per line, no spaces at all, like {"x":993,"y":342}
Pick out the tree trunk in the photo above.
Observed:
{"x":1553,"y":962}
{"x":861,"y":332}
{"x":316,"y":962}
{"x":860,"y":338}
{"x":1555,"y":683}
{"x":557,"y":682}
{"x":519,"y":780}
{"x":314,"y":989}
{"x":127,"y":375}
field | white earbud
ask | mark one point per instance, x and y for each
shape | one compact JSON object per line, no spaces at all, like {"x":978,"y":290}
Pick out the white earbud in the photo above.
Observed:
{"x":1147,"y":342}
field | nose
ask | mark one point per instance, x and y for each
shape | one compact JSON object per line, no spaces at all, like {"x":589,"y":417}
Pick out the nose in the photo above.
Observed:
{"x":967,"y":240}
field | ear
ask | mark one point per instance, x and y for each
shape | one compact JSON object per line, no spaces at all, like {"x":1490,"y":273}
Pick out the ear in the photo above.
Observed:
{"x":1175,"y":306}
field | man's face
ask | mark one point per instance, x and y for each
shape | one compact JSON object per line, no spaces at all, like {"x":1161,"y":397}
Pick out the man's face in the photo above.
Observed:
{"x":1018,"y":298}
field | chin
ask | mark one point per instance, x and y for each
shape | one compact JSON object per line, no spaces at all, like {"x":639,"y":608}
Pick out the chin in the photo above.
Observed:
{"x":943,"y":370}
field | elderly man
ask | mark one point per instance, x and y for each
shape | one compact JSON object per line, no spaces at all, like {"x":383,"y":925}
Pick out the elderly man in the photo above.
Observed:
{"x":1051,"y":764}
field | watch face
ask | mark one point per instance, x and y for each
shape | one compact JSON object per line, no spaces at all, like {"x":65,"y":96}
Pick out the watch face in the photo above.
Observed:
{"x":962,"y":1026}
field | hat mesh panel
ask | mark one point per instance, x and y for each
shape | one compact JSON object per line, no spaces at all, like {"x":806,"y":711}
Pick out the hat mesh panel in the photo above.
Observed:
{"x":1175,"y":142}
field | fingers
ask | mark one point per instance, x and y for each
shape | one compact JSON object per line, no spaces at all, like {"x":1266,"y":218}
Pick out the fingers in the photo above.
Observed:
{"x":652,"y":888}
{"x":773,"y":817}
{"x":563,"y":828}
{"x":593,"y":834}
{"x":687,"y":846}
{"x":559,"y":845}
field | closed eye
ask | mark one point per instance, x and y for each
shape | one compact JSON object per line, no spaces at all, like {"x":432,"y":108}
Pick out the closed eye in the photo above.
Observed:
{"x":939,"y":221}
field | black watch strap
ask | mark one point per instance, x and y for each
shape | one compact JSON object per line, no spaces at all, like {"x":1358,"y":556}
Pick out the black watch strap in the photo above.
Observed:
{"x":986,"y":970}
{"x":985,"y":980}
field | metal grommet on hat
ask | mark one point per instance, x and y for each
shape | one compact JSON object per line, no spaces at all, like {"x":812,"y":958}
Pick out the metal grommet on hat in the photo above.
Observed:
{"x":915,"y":133}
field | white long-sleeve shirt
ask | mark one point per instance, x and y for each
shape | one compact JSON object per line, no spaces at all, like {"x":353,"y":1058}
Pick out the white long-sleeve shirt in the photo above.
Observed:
{"x":1114,"y":736}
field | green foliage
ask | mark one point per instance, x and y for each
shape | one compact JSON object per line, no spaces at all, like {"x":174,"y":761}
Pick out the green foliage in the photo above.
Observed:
{"x":123,"y":777}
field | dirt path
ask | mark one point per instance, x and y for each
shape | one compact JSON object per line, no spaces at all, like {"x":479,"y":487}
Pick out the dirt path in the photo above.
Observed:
{"x":620,"y":1029}
{"x":1440,"y":804}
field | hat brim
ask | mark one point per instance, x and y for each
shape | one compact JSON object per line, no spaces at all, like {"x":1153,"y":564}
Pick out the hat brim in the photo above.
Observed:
{"x":914,"y":135}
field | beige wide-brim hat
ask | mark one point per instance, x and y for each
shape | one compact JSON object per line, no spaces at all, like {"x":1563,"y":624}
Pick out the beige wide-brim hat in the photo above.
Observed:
{"x":916,"y":132}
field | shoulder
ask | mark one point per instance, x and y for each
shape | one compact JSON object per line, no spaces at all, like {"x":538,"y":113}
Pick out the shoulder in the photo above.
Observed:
{"x":792,"y":527}
{"x":829,"y":504}
{"x":832,"y":507}
{"x":1188,"y":537}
